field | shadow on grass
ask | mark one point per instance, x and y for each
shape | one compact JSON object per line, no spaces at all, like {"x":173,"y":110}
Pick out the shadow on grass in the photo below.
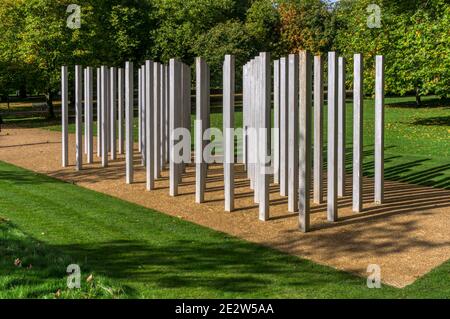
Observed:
{"x":205,"y":267}
{"x":426,"y":103}
{"x":223,"y":267}
{"x":31,"y":122}
{"x":411,"y":172}
{"x":213,"y":266}
{"x":33,"y":269}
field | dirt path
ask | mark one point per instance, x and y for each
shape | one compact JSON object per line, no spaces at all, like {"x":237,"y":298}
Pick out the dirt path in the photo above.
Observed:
{"x":407,"y":236}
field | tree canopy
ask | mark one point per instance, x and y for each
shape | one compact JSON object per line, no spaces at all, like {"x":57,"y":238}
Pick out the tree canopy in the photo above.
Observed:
{"x":35,"y":40}
{"x":414,"y":37}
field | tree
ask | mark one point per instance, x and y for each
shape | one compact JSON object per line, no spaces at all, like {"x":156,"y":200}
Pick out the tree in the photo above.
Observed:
{"x":111,"y":32}
{"x":12,"y":70}
{"x":229,"y":37}
{"x":45,"y":43}
{"x":131,"y":27}
{"x":182,"y":22}
{"x":263,"y":26}
{"x":306,"y":25}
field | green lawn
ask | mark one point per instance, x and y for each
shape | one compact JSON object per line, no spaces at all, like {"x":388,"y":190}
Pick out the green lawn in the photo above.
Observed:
{"x":136,"y":252}
{"x":417,"y":140}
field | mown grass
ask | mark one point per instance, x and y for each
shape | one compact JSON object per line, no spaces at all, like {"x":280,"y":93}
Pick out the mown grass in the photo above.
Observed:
{"x":135,"y":252}
{"x":31,"y":270}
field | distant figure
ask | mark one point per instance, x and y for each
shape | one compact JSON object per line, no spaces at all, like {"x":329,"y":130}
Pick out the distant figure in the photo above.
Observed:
{"x":1,"y":122}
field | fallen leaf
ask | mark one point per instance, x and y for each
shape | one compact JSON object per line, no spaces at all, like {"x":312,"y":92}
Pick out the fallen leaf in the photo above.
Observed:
{"x":17,"y":262}
{"x":90,"y":278}
{"x":58,"y":293}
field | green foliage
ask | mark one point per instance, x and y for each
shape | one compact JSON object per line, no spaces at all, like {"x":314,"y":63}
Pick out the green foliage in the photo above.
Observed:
{"x":229,"y":37}
{"x":132,"y":29}
{"x":35,"y":41}
{"x":413,"y":38}
{"x":214,"y":28}
{"x":263,"y":26}
{"x":12,"y":71}
{"x":306,"y":25}
{"x":109,"y":33}
{"x":44,"y":42}
{"x":181,"y":22}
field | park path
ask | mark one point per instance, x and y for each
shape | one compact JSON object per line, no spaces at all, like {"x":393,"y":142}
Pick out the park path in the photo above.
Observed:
{"x":407,"y":236}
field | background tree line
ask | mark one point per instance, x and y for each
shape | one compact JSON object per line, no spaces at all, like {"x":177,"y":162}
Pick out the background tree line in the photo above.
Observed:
{"x":35,"y":40}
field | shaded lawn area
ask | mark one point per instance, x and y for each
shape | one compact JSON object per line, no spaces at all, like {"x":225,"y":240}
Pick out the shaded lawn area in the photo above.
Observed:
{"x":136,"y":252}
{"x":417,"y":140}
{"x":31,"y":269}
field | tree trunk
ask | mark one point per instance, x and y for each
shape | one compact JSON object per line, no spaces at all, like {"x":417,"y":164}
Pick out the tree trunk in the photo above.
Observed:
{"x":418,"y":100}
{"x":49,"y":101}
